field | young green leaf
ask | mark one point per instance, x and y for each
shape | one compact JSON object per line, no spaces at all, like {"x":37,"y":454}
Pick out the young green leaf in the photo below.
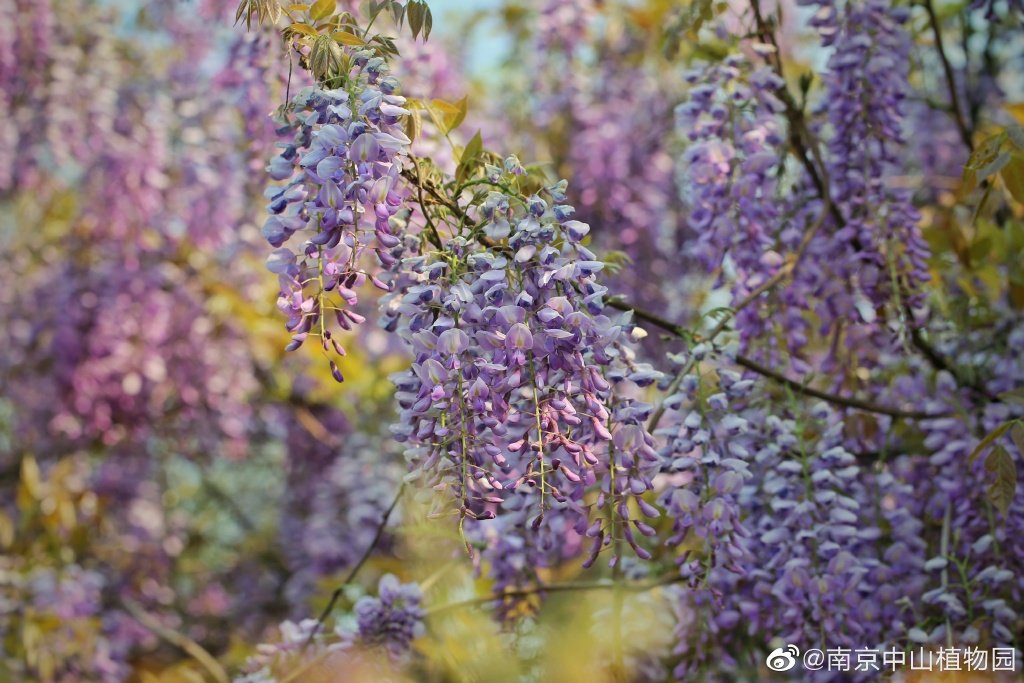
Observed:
{"x":322,"y":9}
{"x":1015,"y":396}
{"x":987,"y":441}
{"x":415,"y":14}
{"x":1013,"y":176}
{"x":1017,"y":434}
{"x":467,"y":161}
{"x":346,"y":38}
{"x":397,"y":13}
{"x":428,"y":22}
{"x":325,"y":57}
{"x":1002,"y":490}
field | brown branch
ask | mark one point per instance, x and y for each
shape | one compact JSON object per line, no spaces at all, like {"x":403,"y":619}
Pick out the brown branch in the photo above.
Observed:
{"x":782,"y":273}
{"x":754,"y":366}
{"x":798,"y":387}
{"x":336,"y":595}
{"x":186,"y":644}
{"x":958,"y":115}
{"x":631,"y":587}
{"x":939,"y":362}
{"x":803,"y":142}
{"x":806,"y":145}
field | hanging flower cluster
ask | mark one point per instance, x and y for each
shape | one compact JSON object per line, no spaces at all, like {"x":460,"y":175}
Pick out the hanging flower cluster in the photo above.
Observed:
{"x":516,"y":365}
{"x":864,"y":103}
{"x":341,"y":195}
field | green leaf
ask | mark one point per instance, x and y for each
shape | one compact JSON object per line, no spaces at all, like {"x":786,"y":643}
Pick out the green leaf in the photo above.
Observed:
{"x":242,"y":7}
{"x":414,"y":124}
{"x":1015,"y":396}
{"x":346,"y":38}
{"x":994,"y":166}
{"x":376,"y":8}
{"x":387,"y":44}
{"x":449,"y":114}
{"x":1017,"y":434}
{"x":983,"y":157}
{"x":688,"y":22}
{"x":615,"y":261}
{"x":980,"y":248}
{"x":1002,"y":490}
{"x":299,"y":27}
{"x":986,"y":152}
{"x":322,"y":9}
{"x":473,"y":149}
{"x":261,"y":9}
{"x":428,"y":23}
{"x":989,"y":438}
{"x":469,"y":157}
{"x":415,"y":14}
{"x":324,"y":57}
{"x":462,"y":107}
{"x":1013,"y":176}
{"x":397,"y":13}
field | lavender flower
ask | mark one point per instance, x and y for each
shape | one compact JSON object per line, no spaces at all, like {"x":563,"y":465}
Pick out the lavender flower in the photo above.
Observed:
{"x":391,"y":620}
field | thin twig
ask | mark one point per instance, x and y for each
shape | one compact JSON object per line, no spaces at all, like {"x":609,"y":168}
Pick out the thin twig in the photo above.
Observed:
{"x":804,"y":143}
{"x":189,"y":646}
{"x":806,"y":146}
{"x":753,"y":365}
{"x":336,"y":595}
{"x":954,"y":95}
{"x":229,"y":503}
{"x":944,"y":553}
{"x":631,"y":587}
{"x":782,"y":273}
{"x":939,"y":362}
{"x":652,"y":424}
{"x":799,"y":388}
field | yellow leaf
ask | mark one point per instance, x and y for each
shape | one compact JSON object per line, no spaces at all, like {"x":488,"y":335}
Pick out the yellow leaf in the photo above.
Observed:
{"x":1016,"y":110}
{"x":346,"y":38}
{"x":182,"y":673}
{"x":451,"y":113}
{"x":322,"y":9}
{"x":446,"y":107}
{"x":66,"y":513}
{"x":414,"y":124}
{"x":6,"y":531}
{"x":1017,"y":296}
{"x":1013,"y":177}
{"x":304,"y":29}
{"x":30,"y":476}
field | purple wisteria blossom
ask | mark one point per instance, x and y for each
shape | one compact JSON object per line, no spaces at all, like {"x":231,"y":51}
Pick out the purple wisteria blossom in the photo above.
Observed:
{"x":342,"y":170}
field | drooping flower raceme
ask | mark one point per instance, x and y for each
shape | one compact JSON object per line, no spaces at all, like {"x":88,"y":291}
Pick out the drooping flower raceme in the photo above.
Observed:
{"x":341,"y":195}
{"x":733,"y":125}
{"x":744,"y":216}
{"x":706,"y":456}
{"x":864,"y":105}
{"x":516,"y":365}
